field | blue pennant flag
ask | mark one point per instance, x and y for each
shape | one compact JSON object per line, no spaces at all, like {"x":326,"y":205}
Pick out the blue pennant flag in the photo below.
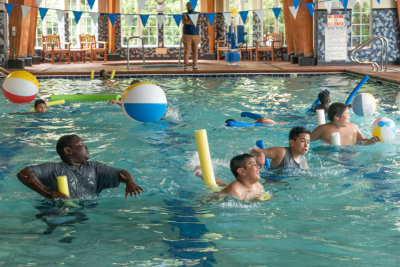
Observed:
{"x":210,"y":18}
{"x":77,"y":15}
{"x":177,"y":18}
{"x":379,"y":1}
{"x":43,"y":12}
{"x":311,"y":7}
{"x":296,"y":3}
{"x":277,"y":11}
{"x":112,"y":17}
{"x":344,"y":3}
{"x":9,"y":8}
{"x":193,"y":3}
{"x":144,"y":19}
{"x":91,"y":3}
{"x":243,"y":15}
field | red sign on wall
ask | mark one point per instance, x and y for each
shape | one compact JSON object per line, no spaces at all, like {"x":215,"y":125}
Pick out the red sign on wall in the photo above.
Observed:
{"x":335,"y":20}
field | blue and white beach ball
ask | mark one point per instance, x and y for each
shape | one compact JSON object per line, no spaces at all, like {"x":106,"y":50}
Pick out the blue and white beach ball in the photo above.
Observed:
{"x":384,"y":128}
{"x":364,"y":104}
{"x":145,"y":102}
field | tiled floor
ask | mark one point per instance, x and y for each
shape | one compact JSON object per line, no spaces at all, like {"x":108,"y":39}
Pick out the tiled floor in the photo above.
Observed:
{"x":207,"y":67}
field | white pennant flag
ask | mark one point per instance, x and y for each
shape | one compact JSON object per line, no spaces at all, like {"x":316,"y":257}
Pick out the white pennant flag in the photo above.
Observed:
{"x":141,"y":4}
{"x":243,"y":4}
{"x":95,"y":17}
{"x":260,"y":14}
{"x":328,"y":5}
{"x":129,"y":18}
{"x":194,"y":17}
{"x":60,"y":14}
{"x":38,"y":2}
{"x":294,"y":11}
{"x":352,"y":3}
{"x":25,"y":10}
{"x":160,"y":20}
{"x":227,"y":17}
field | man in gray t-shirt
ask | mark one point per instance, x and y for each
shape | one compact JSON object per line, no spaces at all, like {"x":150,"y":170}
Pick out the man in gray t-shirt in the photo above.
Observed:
{"x":85,"y":178}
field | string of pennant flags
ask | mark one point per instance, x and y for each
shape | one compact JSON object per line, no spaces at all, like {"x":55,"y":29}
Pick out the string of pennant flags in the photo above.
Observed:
{"x":177,"y":17}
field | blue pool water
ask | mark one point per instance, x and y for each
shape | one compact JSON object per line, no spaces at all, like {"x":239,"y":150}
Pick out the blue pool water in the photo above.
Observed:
{"x":344,"y":211}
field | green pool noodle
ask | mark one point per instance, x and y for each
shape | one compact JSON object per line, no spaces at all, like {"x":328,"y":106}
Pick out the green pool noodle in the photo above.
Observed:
{"x":94,"y":97}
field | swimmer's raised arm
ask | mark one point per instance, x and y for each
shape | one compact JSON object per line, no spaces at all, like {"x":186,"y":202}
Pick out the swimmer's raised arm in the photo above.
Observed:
{"x":316,"y":133}
{"x":366,"y":141}
{"x":111,"y":102}
{"x":260,"y":157}
{"x":131,"y":186}
{"x":197,"y":172}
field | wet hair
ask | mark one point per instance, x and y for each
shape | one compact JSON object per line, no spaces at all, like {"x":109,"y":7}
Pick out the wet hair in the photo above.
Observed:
{"x":228,"y":120}
{"x":134,"y":82}
{"x":38,"y":102}
{"x":336,"y":109}
{"x":102,"y":72}
{"x":323,"y":97}
{"x":239,"y":162}
{"x":64,"y":141}
{"x":296,"y":131}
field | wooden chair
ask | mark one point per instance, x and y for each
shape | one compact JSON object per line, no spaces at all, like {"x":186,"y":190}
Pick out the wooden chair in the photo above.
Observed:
{"x":272,"y":42}
{"x":52,"y":45}
{"x":88,"y":41}
{"x":222,"y":46}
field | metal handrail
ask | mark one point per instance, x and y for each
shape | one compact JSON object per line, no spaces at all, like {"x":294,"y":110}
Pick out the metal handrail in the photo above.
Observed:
{"x":129,"y":39}
{"x":384,"y":51}
{"x":180,"y":53}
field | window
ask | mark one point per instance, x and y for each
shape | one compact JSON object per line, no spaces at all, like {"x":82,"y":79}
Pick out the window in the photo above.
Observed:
{"x":50,"y":24}
{"x":248,"y":26}
{"x":270,"y":23}
{"x":171,"y":29}
{"x":85,"y":25}
{"x":360,"y":23}
{"x":150,"y":33}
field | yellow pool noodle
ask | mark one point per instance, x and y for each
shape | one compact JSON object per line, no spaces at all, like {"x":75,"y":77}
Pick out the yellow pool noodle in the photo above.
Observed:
{"x":112,"y":74}
{"x":51,"y":103}
{"x":63,"y":184}
{"x":92,"y":75}
{"x":205,"y":159}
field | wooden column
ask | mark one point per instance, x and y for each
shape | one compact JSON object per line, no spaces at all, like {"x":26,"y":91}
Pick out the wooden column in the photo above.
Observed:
{"x":288,"y":20}
{"x":211,"y":29}
{"x":398,"y":11}
{"x":15,"y":20}
{"x":32,"y":16}
{"x":112,"y":7}
{"x":306,"y":27}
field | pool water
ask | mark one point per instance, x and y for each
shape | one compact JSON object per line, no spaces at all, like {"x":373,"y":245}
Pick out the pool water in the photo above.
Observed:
{"x":344,"y":211}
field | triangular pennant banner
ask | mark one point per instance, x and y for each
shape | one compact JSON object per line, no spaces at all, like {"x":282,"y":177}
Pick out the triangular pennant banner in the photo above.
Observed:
{"x":129,"y":18}
{"x":277,"y":11}
{"x":112,"y":17}
{"x":227,"y":17}
{"x":379,"y":1}
{"x":311,"y":7}
{"x":91,"y":3}
{"x":328,"y":5}
{"x":43,"y":12}
{"x":193,"y":3}
{"x":141,"y":4}
{"x":77,"y":15}
{"x":60,"y":14}
{"x":243,"y":15}
{"x":25,"y":10}
{"x":243,"y":2}
{"x":194,"y":17}
{"x":160,"y":20}
{"x":210,"y":17}
{"x":344,"y":3}
{"x":38,"y":2}
{"x":294,"y":11}
{"x":177,"y":18}
{"x":95,"y":17}
{"x":296,"y":3}
{"x":144,"y":19}
{"x":260,"y":14}
{"x":9,"y":8}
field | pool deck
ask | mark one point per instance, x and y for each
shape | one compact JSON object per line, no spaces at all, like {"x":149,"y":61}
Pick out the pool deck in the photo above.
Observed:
{"x":208,"y":67}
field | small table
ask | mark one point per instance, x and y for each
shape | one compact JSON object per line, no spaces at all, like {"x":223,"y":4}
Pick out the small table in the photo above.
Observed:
{"x":249,"y":51}
{"x":81,"y":52}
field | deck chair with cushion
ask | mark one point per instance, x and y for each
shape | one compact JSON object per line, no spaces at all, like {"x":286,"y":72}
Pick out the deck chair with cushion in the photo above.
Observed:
{"x":52,"y":46}
{"x":222,"y":46}
{"x":272,"y":42}
{"x":88,"y":41}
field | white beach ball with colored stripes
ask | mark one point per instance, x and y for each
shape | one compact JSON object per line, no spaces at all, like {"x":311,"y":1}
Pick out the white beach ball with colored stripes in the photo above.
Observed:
{"x":20,"y":87}
{"x":384,"y":128}
{"x":364,"y":104}
{"x":145,"y":102}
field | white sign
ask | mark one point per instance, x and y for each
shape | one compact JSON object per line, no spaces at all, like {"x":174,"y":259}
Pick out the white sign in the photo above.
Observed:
{"x":335,"y":20}
{"x":335,"y":43}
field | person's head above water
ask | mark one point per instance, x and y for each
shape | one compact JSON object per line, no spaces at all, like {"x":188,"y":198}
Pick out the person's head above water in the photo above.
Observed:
{"x":134,"y":82}
{"x":103,"y":74}
{"x":324,"y":97}
{"x":72,"y":149}
{"x":299,"y":140}
{"x":246,"y":162}
{"x":40,"y":105}
{"x":337,"y":110}
{"x":228,"y":120}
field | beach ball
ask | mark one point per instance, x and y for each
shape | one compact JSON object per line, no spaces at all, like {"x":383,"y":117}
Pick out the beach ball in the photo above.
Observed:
{"x":20,"y":87}
{"x":397,"y":101}
{"x":145,"y":102}
{"x":384,"y":128}
{"x":364,"y":104}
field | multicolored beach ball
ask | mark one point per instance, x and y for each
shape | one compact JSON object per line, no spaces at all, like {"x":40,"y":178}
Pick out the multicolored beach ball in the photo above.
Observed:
{"x":145,"y":102}
{"x":364,"y":104}
{"x":385,"y":129}
{"x":20,"y":87}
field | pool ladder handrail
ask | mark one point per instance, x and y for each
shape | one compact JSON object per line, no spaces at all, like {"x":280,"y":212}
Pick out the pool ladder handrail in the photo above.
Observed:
{"x":141,"y":40}
{"x":180,"y":53}
{"x":384,"y":52}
